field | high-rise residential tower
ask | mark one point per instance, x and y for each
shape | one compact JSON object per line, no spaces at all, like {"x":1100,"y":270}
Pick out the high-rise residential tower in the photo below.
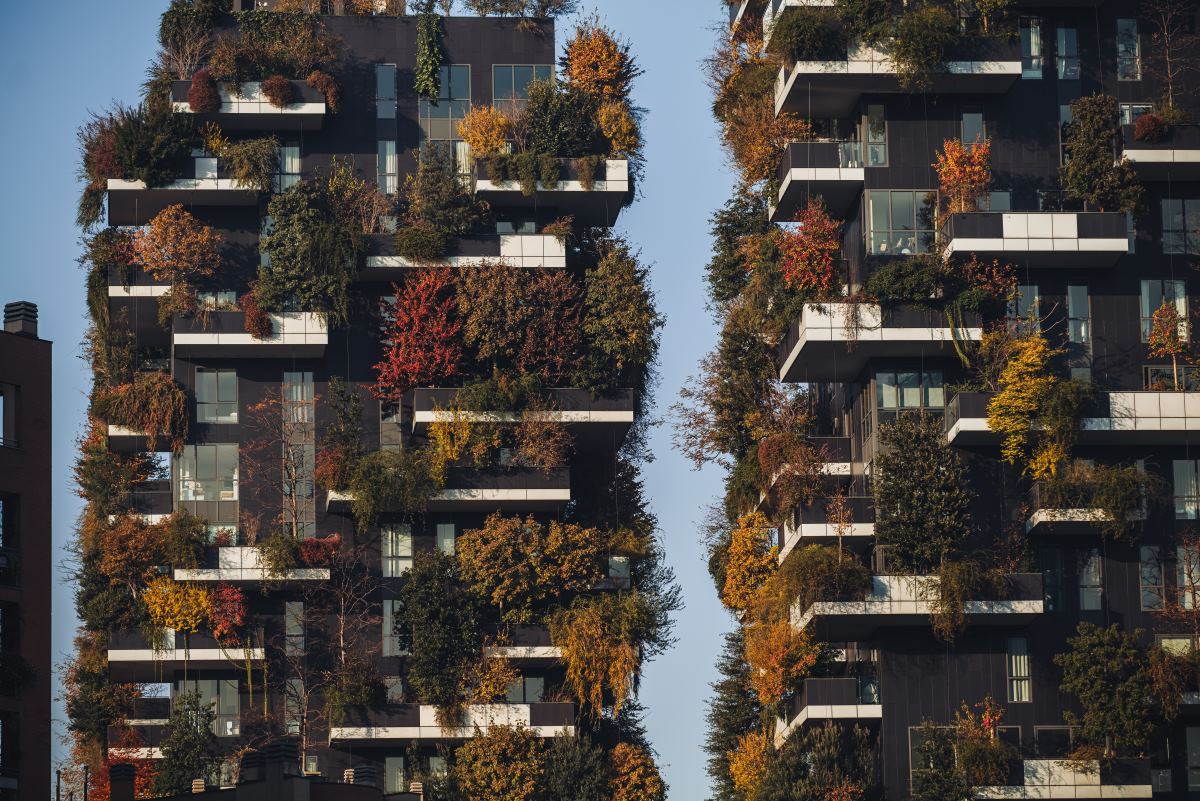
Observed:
{"x":362,"y":464}
{"x":25,"y":481}
{"x":956,"y":390}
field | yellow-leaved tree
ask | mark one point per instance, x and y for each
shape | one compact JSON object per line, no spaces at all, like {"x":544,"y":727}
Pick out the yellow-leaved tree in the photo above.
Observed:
{"x":964,"y":173}
{"x":598,"y":637}
{"x":779,"y":656}
{"x":1027,"y":384}
{"x":505,"y":764}
{"x":748,"y":762}
{"x":750,"y":560}
{"x":486,"y":130}
{"x":635,"y":777}
{"x":176,"y":605}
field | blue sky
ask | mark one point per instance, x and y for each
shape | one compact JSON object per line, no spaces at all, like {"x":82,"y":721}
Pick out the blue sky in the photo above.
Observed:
{"x":62,"y":59}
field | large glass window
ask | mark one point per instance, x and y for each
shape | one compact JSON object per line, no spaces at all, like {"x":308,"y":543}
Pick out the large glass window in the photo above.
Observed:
{"x":1064,"y":120}
{"x":1078,"y":314}
{"x":510,"y":84}
{"x":1187,"y":489}
{"x":293,"y":706}
{"x":1181,"y":226}
{"x":1187,"y":575}
{"x":388,"y":177}
{"x":1131,"y":111}
{"x":1031,"y":47}
{"x":208,"y":472}
{"x":877,"y":149}
{"x":901,"y":221}
{"x":909,"y":389}
{"x":1129,"y":51}
{"x":1091,"y":580}
{"x":445,"y":538}
{"x":1067,"y":57}
{"x":973,"y":129}
{"x":527,"y":690}
{"x":1023,"y":309}
{"x":397,"y":638}
{"x":385,"y":91}
{"x":393,"y":769}
{"x":1157,"y":292}
{"x":1193,"y":757}
{"x":216,"y":396}
{"x":440,"y":117}
{"x":1020,"y":688}
{"x":1052,"y":742}
{"x":289,"y":167}
{"x":1151,"y":578}
{"x":293,"y":627}
{"x":397,"y":550}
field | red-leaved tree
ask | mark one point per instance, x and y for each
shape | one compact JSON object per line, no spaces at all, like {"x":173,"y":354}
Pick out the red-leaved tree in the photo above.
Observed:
{"x":808,"y":253}
{"x":421,"y":334}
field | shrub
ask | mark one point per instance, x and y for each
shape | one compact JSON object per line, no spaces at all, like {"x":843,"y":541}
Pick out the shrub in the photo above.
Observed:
{"x":252,"y":163}
{"x":958,"y":583}
{"x":983,"y":757}
{"x":203,"y":97}
{"x":486,"y":130}
{"x":324,"y":83}
{"x":256,"y":321}
{"x":811,"y":574}
{"x":1091,"y":175}
{"x":868,"y":21}
{"x":504,"y":764}
{"x":831,"y":761}
{"x":749,"y":562}
{"x":270,"y":42}
{"x":421,"y":330}
{"x":177,"y":605}
{"x":560,"y":121}
{"x":313,"y":254}
{"x":356,"y":202}
{"x":227,"y":613}
{"x":807,"y":34}
{"x":600,"y":640}
{"x":278,"y":90}
{"x":422,"y":242}
{"x":521,"y":566}
{"x":1149,"y":128}
{"x":99,"y":161}
{"x":184,"y":537}
{"x":395,"y":483}
{"x":278,"y":554}
{"x":342,"y":445}
{"x":919,"y":48}
{"x":576,"y":768}
{"x":153,"y":144}
{"x":923,"y":506}
{"x":152,"y":403}
{"x":176,"y":248}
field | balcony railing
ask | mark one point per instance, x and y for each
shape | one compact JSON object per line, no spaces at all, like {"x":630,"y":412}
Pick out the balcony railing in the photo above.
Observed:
{"x":1176,"y":156}
{"x":1060,"y":778}
{"x":569,"y":406}
{"x":207,"y":183}
{"x":524,"y":489}
{"x":244,"y":564}
{"x":530,"y":251}
{"x":302,"y":334}
{"x":812,"y":524}
{"x":249,"y":109}
{"x":820,"y":699}
{"x":596,"y":201}
{"x":419,"y":722}
{"x":1039,"y":238}
{"x":832,"y":170}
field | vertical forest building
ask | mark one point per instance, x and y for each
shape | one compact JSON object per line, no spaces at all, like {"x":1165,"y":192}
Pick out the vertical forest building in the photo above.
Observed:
{"x":371,"y":371}
{"x":956,"y":393}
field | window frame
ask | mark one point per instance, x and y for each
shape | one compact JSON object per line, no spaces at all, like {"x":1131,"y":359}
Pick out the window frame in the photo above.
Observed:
{"x":924,"y":204}
{"x":222,"y":399}
{"x":1129,"y":63}
{"x":1018,"y":671}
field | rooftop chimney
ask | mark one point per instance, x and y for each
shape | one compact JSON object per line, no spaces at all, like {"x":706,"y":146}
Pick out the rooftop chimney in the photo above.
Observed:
{"x":120,"y":776}
{"x":21,"y":318}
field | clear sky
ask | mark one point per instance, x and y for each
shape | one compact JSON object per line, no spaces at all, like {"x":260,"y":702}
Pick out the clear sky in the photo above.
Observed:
{"x":62,"y":59}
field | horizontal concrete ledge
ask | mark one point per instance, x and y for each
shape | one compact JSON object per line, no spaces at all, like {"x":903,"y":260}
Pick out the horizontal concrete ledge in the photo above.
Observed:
{"x":428,"y":416}
{"x":826,"y":712}
{"x":524,"y":652}
{"x":238,"y":655}
{"x":139,"y":291}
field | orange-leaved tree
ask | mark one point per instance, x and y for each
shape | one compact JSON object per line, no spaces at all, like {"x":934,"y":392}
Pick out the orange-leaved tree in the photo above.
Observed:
{"x":779,"y":656}
{"x":808,"y":253}
{"x":598,"y":63}
{"x":597,"y":638}
{"x":635,"y":777}
{"x":176,"y":247}
{"x":486,"y":130}
{"x":1168,"y":337}
{"x":421,"y":335}
{"x":505,"y":764}
{"x":964,"y":173}
{"x":749,"y":562}
{"x":748,"y":761}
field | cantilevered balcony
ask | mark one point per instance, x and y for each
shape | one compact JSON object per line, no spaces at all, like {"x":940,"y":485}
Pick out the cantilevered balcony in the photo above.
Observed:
{"x":577,"y":408}
{"x":812,"y":525}
{"x":150,"y":500}
{"x":1176,"y":156}
{"x":830,"y":170}
{"x":1060,"y":778}
{"x":908,"y":601}
{"x":526,"y":645}
{"x":489,"y":490}
{"x":299,"y":334}
{"x":250,"y":110}
{"x":834,"y":453}
{"x":851,"y":699}
{"x":208,"y":183}
{"x":520,"y":250}
{"x":832,"y":88}
{"x":596,"y":202}
{"x":1090,"y":239}
{"x":142,"y":734}
{"x":834,"y":341}
{"x":132,"y":659}
{"x":1067,"y":508}
{"x":1118,"y":418}
{"x":407,"y":722}
{"x":240,"y":564}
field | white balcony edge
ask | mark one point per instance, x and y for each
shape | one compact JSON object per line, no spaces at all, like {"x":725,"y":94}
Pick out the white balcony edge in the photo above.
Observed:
{"x":237,"y":106}
{"x":251,"y":574}
{"x":524,"y":262}
{"x":523,"y":652}
{"x":606,"y":184}
{"x":139,"y":291}
{"x":183,"y":185}
{"x":290,"y":329}
{"x":502,"y":495}
{"x":429,"y":416}
{"x":434,"y":732}
{"x":237,"y":655}
{"x":1031,"y":245}
{"x":136,"y":753}
{"x":1172,"y":156}
{"x":826,"y":712}
{"x":1059,"y":778}
{"x":792,"y":538}
{"x":149,"y":520}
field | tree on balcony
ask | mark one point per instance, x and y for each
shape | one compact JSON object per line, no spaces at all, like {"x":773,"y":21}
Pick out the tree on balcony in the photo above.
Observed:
{"x":396,"y":483}
{"x":1106,"y":671}
{"x":922,"y":500}
{"x":576,"y":768}
{"x":749,"y":562}
{"x":935,"y":774}
{"x":808,"y":253}
{"x":635,"y":776}
{"x":1168,"y":338}
{"x":964,"y":173}
{"x":1174,"y":55}
{"x":505,"y":763}
{"x":421,"y":328}
{"x":1091,"y":173}
{"x":434,"y":207}
{"x":189,"y":747}
{"x":341,"y":444}
{"x":829,"y":761}
{"x":918,"y":50}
